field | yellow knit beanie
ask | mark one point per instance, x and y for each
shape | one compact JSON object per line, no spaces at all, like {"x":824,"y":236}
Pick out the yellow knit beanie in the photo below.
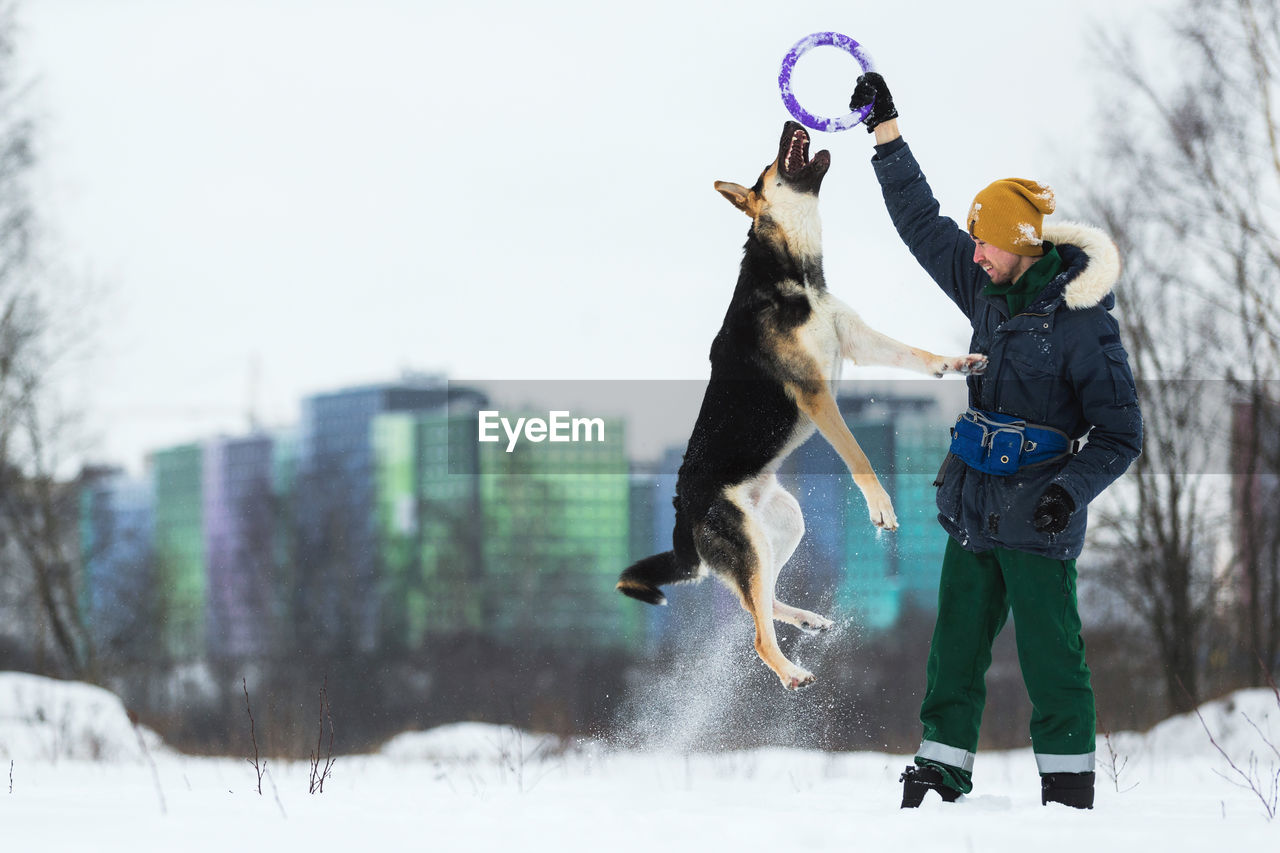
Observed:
{"x":1008,"y":214}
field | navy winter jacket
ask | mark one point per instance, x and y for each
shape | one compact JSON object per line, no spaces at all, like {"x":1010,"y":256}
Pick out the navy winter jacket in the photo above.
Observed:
{"x":1059,"y":363}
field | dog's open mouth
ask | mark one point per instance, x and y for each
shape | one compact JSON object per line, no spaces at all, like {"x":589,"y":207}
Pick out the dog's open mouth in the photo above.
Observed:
{"x":793,"y":158}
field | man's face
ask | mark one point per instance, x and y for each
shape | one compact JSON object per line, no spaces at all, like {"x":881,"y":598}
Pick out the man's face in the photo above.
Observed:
{"x":1003,"y":267}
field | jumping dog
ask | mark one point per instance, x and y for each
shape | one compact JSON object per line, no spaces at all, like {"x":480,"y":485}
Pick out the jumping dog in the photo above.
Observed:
{"x":774,"y":365}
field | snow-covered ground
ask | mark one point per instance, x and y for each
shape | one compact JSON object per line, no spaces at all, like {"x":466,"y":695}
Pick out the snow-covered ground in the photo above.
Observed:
{"x":76,"y":776}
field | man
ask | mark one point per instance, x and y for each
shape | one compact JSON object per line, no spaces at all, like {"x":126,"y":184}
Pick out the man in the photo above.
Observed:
{"x":1013,"y":491}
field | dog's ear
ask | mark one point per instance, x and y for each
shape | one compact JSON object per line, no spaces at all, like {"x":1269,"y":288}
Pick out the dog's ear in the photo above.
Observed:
{"x":738,"y":195}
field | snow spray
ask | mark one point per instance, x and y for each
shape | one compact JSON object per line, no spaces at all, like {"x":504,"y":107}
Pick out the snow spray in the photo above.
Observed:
{"x":712,"y":692}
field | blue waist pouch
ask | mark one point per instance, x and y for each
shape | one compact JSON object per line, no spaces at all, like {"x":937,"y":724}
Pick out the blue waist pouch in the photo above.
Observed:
{"x":1001,"y":444}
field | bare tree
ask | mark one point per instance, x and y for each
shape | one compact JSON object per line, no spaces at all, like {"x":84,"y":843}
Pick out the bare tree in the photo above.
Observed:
{"x":1256,"y":296}
{"x":37,"y":508}
{"x":1161,"y":523}
{"x":1189,"y":183}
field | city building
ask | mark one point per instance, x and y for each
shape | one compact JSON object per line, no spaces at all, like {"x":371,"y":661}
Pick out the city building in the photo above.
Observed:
{"x":241,"y":517}
{"x":523,"y":545}
{"x":430,"y":524}
{"x":555,"y":539}
{"x":178,"y":501}
{"x":338,"y":571}
{"x":384,"y":520}
{"x":116,"y":530}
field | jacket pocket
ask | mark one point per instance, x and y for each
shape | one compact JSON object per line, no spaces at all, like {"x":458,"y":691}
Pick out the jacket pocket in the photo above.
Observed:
{"x":1122,"y":384}
{"x":1017,"y":498}
{"x":1027,"y":388}
{"x":950,"y":482}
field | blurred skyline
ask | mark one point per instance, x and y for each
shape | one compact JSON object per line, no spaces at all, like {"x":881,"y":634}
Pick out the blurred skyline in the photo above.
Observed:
{"x":281,"y":197}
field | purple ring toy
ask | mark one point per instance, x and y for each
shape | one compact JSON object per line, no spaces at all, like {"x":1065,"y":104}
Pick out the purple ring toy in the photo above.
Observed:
{"x":849,"y":46}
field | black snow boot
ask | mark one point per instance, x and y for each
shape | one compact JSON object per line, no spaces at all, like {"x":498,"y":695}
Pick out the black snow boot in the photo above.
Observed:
{"x":918,"y":781}
{"x":1070,"y":789}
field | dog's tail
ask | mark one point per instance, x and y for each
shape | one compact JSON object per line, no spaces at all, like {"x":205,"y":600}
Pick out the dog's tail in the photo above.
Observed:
{"x":641,"y":580}
{"x":679,"y":565}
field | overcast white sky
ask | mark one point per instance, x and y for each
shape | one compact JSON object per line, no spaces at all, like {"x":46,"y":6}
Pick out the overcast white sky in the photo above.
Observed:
{"x":339,"y":190}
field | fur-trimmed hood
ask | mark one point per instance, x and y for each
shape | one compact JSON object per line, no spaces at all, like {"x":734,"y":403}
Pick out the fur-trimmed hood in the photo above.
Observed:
{"x":1091,"y":284}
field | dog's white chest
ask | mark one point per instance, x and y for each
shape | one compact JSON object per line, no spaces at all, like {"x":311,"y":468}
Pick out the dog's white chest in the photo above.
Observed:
{"x":821,"y":336}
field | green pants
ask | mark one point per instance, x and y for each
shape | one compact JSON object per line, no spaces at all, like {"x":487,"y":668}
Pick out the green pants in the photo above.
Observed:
{"x":975,"y":596}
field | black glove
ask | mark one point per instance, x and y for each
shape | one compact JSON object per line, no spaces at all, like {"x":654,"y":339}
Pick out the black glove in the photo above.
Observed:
{"x":871,"y":89}
{"x":1053,"y":510}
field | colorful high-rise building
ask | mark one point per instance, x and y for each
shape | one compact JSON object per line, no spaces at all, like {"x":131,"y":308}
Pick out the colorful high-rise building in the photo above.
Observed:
{"x":383,"y":521}
{"x":241,"y":517}
{"x":430,"y":524}
{"x":524,"y":546}
{"x":178,"y":501}
{"x":556,"y":537}
{"x":116,"y":529}
{"x":338,"y":552}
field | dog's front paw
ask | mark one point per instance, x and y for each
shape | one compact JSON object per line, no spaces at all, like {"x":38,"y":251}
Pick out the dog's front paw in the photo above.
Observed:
{"x":882,"y":514}
{"x":971,"y":364}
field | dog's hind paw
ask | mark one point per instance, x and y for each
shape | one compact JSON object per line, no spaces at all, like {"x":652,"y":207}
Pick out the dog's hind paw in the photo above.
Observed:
{"x":810,"y":623}
{"x":798,"y":680}
{"x":815,"y":624}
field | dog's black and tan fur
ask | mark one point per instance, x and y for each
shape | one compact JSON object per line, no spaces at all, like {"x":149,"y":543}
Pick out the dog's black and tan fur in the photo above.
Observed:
{"x":773,"y":368}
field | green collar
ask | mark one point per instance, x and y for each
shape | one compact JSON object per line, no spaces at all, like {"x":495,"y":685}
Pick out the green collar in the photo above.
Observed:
{"x":1024,"y":291}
